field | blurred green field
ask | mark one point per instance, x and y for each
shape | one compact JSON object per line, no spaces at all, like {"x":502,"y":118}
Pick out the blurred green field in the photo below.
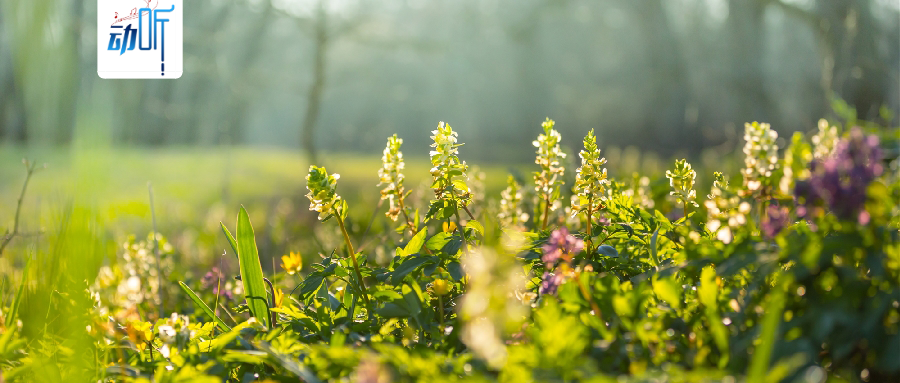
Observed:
{"x":194,"y":189}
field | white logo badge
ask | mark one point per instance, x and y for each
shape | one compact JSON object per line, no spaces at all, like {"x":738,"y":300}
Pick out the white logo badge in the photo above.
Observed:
{"x":139,"y":38}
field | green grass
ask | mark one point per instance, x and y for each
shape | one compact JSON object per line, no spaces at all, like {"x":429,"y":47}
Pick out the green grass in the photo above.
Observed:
{"x":194,"y":188}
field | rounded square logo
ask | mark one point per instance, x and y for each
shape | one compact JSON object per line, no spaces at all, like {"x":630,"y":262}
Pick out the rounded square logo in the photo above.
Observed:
{"x":140,"y":39}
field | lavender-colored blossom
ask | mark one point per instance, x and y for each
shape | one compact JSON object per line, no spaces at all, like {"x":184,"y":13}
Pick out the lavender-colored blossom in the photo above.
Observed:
{"x":561,"y":243}
{"x":550,"y":282}
{"x":776,"y":219}
{"x":839,"y":182}
{"x":212,"y":281}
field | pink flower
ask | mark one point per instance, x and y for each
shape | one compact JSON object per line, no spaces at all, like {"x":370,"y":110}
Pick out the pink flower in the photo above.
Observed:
{"x":561,"y":244}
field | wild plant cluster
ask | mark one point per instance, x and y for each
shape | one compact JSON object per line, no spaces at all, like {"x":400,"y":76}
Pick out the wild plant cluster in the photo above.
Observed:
{"x":788,"y":272}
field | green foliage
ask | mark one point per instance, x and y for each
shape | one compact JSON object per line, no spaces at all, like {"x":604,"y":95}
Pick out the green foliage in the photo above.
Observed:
{"x":652,"y":298}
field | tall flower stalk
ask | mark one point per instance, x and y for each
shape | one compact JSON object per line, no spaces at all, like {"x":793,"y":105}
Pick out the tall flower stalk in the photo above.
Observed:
{"x":449,"y":177}
{"x":590,"y":182}
{"x":682,"y":182}
{"x":760,"y":157}
{"x":511,"y":214}
{"x":323,"y":198}
{"x":391,"y":176}
{"x":548,"y":181}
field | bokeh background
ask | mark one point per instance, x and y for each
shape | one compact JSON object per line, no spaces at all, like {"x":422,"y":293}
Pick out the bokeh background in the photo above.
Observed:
{"x":272,"y":85}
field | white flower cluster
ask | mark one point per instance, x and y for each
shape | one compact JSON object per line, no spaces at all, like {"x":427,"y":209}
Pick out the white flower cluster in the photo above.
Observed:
{"x":391,"y":175}
{"x":511,"y":214}
{"x":725,"y":210}
{"x":549,"y":155}
{"x":446,"y":166}
{"x":825,"y":140}
{"x":590,"y":180}
{"x":760,"y":155}
{"x":322,"y":191}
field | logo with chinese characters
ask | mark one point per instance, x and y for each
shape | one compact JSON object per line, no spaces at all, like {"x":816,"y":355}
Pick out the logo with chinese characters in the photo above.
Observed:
{"x":139,"y":38}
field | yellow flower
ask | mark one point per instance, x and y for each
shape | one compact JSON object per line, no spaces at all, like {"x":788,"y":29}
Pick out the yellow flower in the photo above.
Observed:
{"x":449,"y":226}
{"x":441,"y":287}
{"x":291,"y":263}
{"x":279,"y":297}
{"x":139,"y":332}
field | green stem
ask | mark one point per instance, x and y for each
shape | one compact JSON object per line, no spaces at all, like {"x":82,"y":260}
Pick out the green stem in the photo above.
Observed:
{"x":362,"y":284}
{"x":590,"y":238}
{"x":546,"y":213}
{"x":441,"y":312}
{"x":459,"y":226}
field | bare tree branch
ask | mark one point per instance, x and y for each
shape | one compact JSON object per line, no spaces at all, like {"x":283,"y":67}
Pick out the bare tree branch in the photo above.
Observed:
{"x":30,"y":168}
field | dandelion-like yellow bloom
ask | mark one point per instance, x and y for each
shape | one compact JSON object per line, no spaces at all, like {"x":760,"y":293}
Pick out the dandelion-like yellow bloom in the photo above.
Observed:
{"x":441,"y":287}
{"x":139,"y":332}
{"x":292,"y":263}
{"x":449,"y":226}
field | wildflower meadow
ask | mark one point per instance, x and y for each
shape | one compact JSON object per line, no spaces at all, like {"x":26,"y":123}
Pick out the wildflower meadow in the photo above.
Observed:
{"x":788,"y":271}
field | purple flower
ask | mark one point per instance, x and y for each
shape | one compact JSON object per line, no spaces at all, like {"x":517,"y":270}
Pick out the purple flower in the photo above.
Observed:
{"x":213,"y":279}
{"x":839,"y":183}
{"x":550,"y":282}
{"x":776,"y":219}
{"x":561,"y":244}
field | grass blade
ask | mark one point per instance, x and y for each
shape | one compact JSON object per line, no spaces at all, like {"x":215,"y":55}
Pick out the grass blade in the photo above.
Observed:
{"x":13,"y":311}
{"x":231,"y":241}
{"x":251,"y":271}
{"x":197,"y":301}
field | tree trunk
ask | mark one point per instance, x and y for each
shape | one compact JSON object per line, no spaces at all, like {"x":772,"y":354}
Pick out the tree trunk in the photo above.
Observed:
{"x":858,"y":75}
{"x":671,"y":92}
{"x":747,"y":52}
{"x":314,"y":97}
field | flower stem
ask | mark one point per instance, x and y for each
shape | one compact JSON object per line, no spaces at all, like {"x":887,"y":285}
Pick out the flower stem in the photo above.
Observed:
{"x":359,"y":278}
{"x":590,"y":237}
{"x":441,"y":312}
{"x":412,"y":229}
{"x":587,"y":296}
{"x":546,"y":213}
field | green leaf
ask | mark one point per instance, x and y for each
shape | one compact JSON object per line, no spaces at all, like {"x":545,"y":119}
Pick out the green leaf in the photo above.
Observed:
{"x":708,"y":293}
{"x":392,"y":310}
{"x":475,"y":225}
{"x":455,"y":271}
{"x":199,"y":302}
{"x":234,"y":247}
{"x":762,"y":355}
{"x":608,"y":251}
{"x":415,"y":244}
{"x":251,"y":271}
{"x":669,"y":291}
{"x":653,"y":251}
{"x":311,"y":285}
{"x":437,"y":241}
{"x":664,"y":222}
{"x":453,"y":245}
{"x":410,"y":265}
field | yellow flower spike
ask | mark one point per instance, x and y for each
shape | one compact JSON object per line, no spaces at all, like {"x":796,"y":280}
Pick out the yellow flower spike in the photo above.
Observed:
{"x":449,"y":226}
{"x":292,"y":263}
{"x":441,"y":287}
